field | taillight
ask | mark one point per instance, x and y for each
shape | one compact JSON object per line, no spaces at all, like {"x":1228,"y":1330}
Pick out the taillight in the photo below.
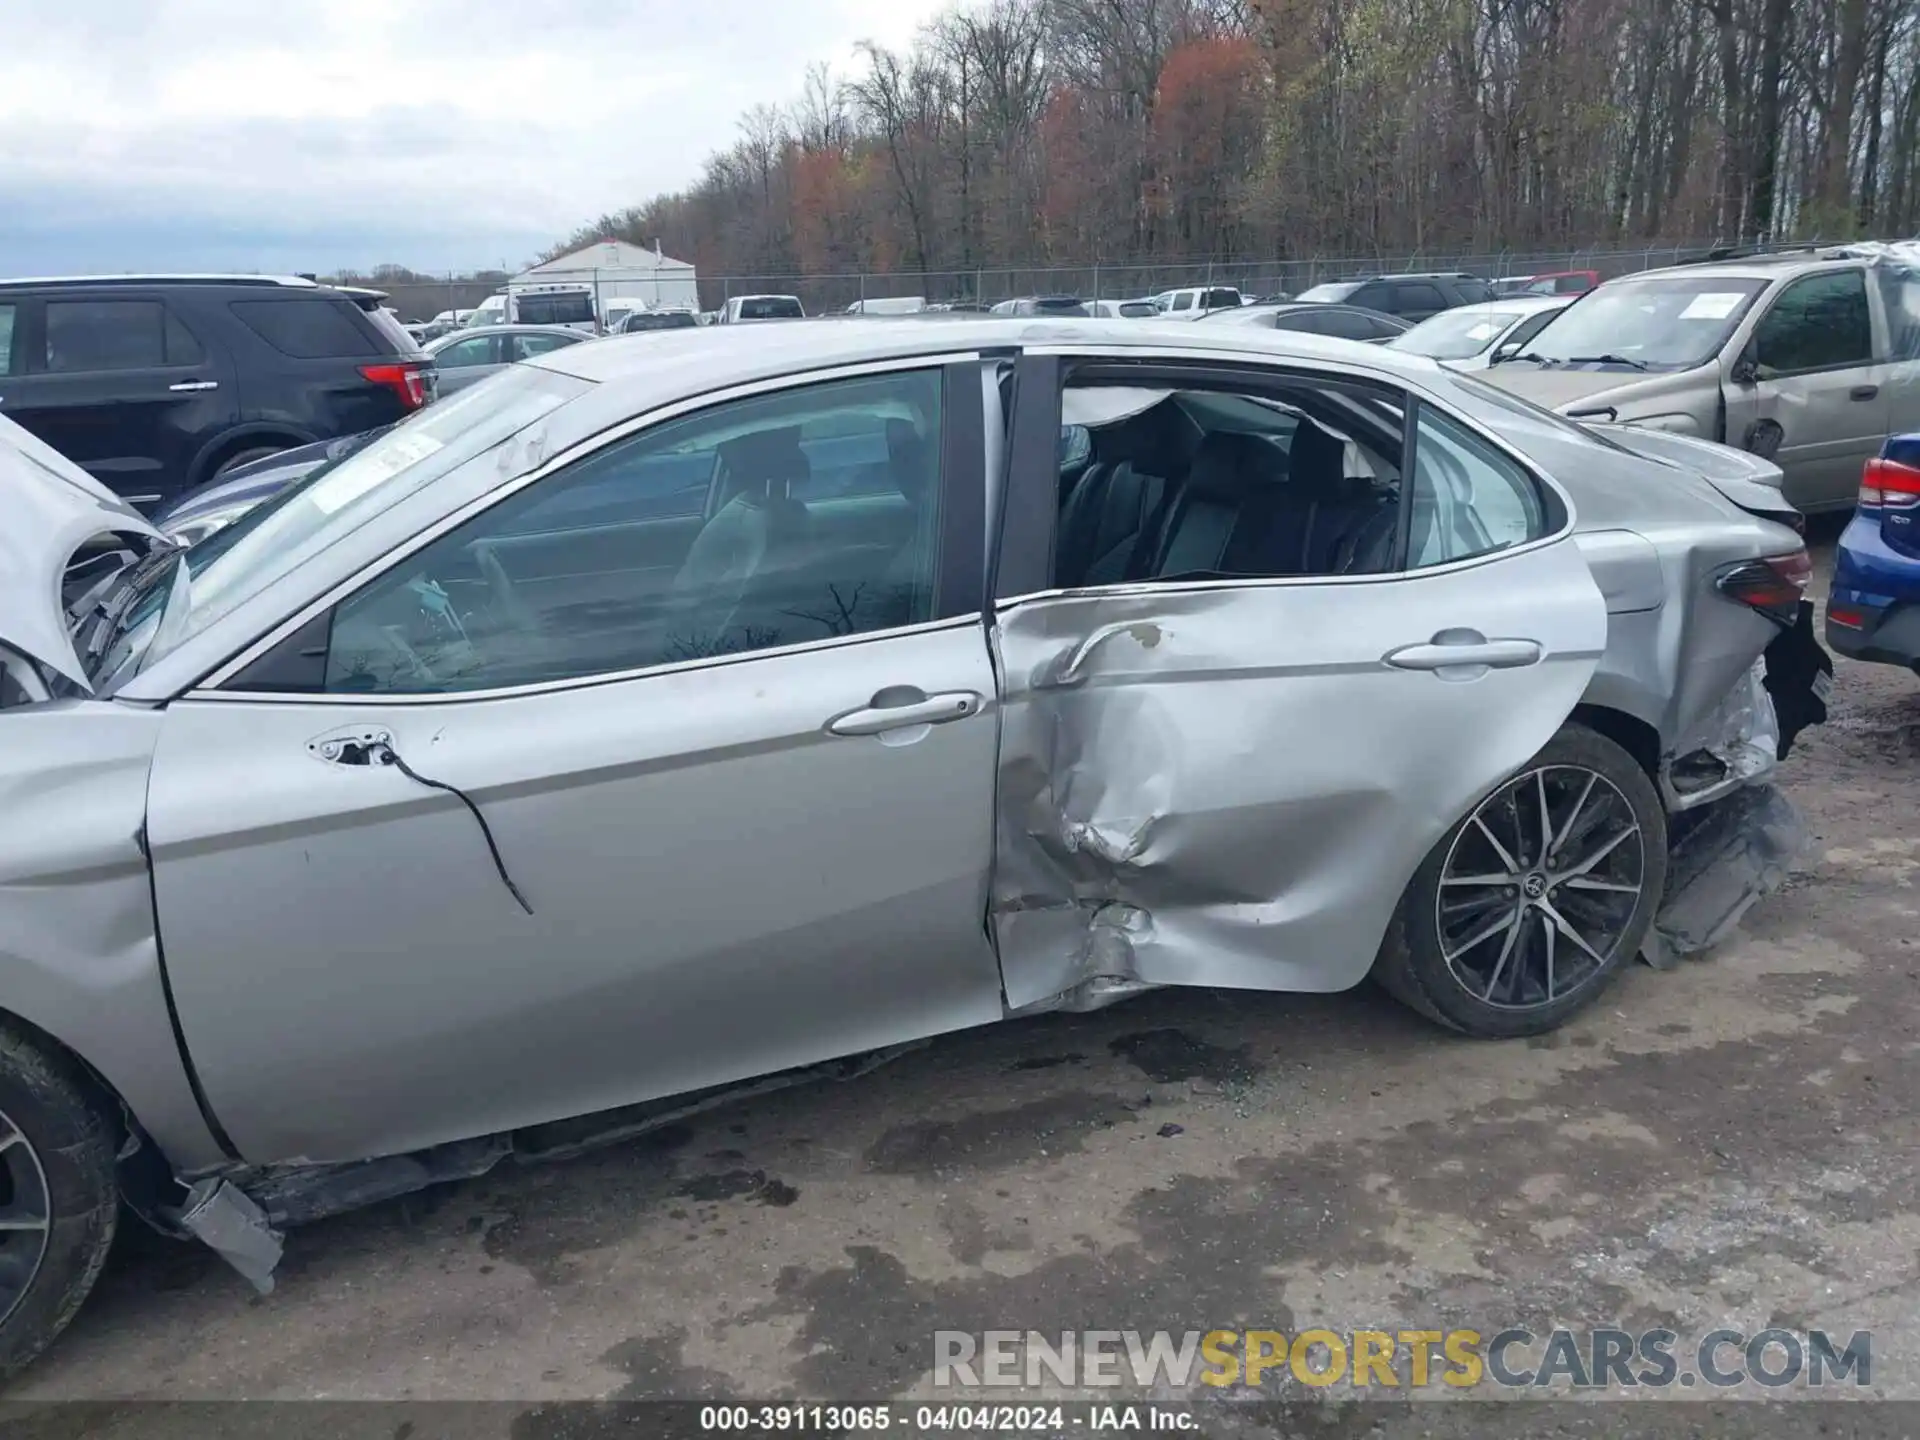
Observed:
{"x":1888,"y":482}
{"x":1773,"y":586}
{"x":407,"y":379}
{"x":1851,"y":618}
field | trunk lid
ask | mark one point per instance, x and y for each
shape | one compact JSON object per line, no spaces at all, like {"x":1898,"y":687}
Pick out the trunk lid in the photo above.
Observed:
{"x":1747,"y":480}
{"x":52,"y":509}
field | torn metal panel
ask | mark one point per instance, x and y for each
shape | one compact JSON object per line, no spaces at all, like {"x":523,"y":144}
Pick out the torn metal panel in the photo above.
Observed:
{"x":1230,"y":786}
{"x":1734,"y":744}
{"x":1721,"y":860}
{"x":219,"y":1213}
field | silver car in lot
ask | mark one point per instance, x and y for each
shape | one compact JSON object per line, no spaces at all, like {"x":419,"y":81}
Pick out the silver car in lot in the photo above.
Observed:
{"x":1809,"y":358}
{"x":465,"y":357}
{"x":678,"y":715}
{"x":1473,"y":337}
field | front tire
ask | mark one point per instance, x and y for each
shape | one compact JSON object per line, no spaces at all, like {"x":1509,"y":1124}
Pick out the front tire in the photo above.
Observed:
{"x":1528,"y":907}
{"x":59,"y":1202}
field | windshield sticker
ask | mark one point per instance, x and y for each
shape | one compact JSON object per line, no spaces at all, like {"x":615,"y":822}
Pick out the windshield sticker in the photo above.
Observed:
{"x":1714,"y":305}
{"x":1486,"y":329}
{"x":371,"y":469}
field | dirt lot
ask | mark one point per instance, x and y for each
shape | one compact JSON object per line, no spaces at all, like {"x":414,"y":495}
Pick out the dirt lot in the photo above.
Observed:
{"x":1732,"y":1143}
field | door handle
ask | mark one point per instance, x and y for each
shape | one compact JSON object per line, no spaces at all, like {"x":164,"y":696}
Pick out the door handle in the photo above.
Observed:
{"x":1863,"y":392}
{"x":186,"y":385}
{"x":900,"y":706}
{"x":1478,"y":652}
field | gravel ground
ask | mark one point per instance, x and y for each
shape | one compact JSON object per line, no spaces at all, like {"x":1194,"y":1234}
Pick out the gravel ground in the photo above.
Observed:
{"x":1730,"y":1143}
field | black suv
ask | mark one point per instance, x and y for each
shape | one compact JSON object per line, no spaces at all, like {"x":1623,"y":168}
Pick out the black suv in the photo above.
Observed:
{"x":154,"y":384}
{"x":1411,"y":297}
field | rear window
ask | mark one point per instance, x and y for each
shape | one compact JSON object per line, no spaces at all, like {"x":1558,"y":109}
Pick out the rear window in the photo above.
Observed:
{"x":392,"y":328}
{"x":564,"y":308}
{"x":1337,"y":290}
{"x":771,"y":307}
{"x":312,"y":329}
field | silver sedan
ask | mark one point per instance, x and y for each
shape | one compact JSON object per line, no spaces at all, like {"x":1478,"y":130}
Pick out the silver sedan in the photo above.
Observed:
{"x":466,"y":357}
{"x":671,"y":716}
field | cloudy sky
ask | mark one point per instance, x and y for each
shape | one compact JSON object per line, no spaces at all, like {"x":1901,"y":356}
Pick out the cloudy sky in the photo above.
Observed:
{"x":321,"y":134}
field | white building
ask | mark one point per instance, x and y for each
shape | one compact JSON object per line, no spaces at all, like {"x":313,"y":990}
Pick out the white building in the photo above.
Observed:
{"x":615,"y":270}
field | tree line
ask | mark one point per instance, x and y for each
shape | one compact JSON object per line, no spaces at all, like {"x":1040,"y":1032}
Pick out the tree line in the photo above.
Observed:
{"x":1029,"y":132}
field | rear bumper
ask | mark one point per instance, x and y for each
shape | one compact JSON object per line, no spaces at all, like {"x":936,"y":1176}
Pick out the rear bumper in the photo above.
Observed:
{"x":1720,"y":860}
{"x":1887,"y":635}
{"x":1876,"y":599}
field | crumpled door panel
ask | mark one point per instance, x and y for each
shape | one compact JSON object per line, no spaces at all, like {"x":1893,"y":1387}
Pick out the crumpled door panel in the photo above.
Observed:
{"x":1229,"y":787}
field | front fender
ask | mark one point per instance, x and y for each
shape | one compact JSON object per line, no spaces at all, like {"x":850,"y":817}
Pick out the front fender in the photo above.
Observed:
{"x":79,"y":952}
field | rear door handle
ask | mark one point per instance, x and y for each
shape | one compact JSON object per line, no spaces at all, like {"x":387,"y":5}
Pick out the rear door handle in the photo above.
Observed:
{"x":1863,"y":392}
{"x":186,"y":385}
{"x":900,"y":706}
{"x":1440,"y":654}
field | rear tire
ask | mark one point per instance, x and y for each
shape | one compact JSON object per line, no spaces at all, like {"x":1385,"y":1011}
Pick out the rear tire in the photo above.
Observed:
{"x":1515,"y":923}
{"x":59,"y":1202}
{"x":247,"y":457}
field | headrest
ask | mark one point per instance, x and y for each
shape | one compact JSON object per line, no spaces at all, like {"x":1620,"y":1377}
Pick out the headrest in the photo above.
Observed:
{"x":1316,"y":463}
{"x":908,"y":457}
{"x":1226,"y":464}
{"x":764,"y":464}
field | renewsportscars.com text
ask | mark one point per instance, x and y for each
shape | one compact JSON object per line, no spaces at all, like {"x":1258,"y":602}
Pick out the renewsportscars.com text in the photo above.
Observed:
{"x":1604,"y":1358}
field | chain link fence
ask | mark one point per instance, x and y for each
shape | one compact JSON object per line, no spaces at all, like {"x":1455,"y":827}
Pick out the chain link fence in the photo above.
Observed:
{"x":1266,"y":278}
{"x":987,"y":285}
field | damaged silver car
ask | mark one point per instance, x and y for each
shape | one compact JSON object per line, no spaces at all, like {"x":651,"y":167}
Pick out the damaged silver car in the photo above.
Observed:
{"x":661,"y":721}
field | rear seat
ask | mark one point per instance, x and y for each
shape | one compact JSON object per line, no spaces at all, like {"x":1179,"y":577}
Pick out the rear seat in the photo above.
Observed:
{"x":1246,"y":508}
{"x":1109,"y":525}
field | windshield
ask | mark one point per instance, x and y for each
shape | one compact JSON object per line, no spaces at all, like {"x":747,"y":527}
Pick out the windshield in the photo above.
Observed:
{"x":235,"y":564}
{"x":1337,"y":290}
{"x":1669,"y":323}
{"x":1457,"y":334}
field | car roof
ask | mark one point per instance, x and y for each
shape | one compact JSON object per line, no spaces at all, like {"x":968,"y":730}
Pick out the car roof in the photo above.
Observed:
{"x":517,"y":328}
{"x":1755,"y":267}
{"x":684,"y":364}
{"x":291,"y":282}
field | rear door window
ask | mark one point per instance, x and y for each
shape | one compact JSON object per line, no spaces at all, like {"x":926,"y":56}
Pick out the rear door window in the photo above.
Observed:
{"x":474,"y":350}
{"x":526,"y":346}
{"x":9,"y":362}
{"x":307,"y":329}
{"x":1819,"y":322}
{"x":1418,"y":296}
{"x":93,"y":335}
{"x":1469,"y":498}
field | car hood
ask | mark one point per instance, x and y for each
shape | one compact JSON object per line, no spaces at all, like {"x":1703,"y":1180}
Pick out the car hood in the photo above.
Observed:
{"x":52,"y":508}
{"x":1556,"y":388}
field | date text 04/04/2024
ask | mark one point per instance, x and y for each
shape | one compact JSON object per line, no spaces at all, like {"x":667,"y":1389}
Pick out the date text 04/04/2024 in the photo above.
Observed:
{"x":940,"y":1419}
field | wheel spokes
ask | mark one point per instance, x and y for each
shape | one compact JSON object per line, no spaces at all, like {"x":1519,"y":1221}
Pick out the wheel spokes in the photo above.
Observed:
{"x":1583,"y":910}
{"x":1506,"y":953}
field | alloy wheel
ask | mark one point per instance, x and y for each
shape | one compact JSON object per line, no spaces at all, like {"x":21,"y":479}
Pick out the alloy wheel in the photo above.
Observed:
{"x":1540,"y":887}
{"x":26,"y":1214}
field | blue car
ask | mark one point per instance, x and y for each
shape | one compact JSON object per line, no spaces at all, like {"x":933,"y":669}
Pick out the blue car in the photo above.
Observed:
{"x":1874,"y":611}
